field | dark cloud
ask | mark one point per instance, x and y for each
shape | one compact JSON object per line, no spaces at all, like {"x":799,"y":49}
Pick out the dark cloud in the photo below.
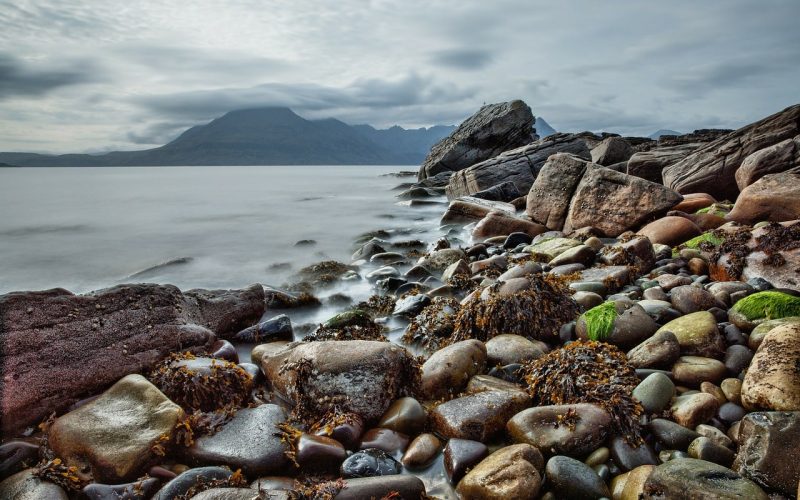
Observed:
{"x":375,"y":95}
{"x":20,"y":78}
{"x":468,"y":59}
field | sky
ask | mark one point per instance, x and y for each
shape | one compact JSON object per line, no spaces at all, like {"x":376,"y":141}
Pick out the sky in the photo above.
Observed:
{"x":93,"y":76}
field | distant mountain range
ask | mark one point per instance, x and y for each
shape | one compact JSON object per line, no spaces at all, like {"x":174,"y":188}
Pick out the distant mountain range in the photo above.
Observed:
{"x":265,"y":136}
{"x":664,"y":131}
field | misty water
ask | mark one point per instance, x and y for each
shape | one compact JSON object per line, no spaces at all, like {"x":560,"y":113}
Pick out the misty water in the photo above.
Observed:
{"x":224,"y":227}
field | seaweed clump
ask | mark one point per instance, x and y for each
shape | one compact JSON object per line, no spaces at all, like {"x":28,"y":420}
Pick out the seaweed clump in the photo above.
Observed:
{"x":537,"y":312}
{"x":55,"y":471}
{"x":600,"y":320}
{"x":202,"y":384}
{"x":588,"y":372}
{"x":768,"y":305}
{"x":355,"y":324}
{"x":378,"y":305}
{"x":320,"y":275}
{"x":431,"y":328}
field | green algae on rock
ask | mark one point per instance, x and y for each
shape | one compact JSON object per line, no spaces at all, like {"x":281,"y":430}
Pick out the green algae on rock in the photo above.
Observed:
{"x":600,"y":320}
{"x":768,"y":305}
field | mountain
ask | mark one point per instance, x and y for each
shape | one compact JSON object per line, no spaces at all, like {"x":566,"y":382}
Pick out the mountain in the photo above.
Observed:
{"x":543,"y":129}
{"x":265,"y":136}
{"x":664,"y":131}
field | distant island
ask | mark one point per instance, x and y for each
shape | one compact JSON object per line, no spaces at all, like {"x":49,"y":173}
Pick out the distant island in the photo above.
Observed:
{"x":268,"y":136}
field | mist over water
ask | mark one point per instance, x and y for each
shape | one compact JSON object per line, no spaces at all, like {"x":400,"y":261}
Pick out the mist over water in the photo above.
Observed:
{"x":217,"y":227}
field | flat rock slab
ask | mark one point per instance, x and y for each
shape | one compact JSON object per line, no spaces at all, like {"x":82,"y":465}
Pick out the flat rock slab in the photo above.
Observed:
{"x":250,"y":441}
{"x":58,"y":347}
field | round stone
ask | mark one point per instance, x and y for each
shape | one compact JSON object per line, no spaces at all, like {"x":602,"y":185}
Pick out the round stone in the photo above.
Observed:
{"x":370,"y":462}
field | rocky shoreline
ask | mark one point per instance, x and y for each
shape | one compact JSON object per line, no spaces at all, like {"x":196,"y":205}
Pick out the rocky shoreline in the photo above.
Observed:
{"x":603,"y":317}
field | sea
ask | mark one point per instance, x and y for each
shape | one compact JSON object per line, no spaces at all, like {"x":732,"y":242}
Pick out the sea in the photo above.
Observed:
{"x":90,"y":228}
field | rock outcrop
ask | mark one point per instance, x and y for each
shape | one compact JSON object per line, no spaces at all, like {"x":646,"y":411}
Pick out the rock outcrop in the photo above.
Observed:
{"x":520,"y":166}
{"x":614,"y":202}
{"x":58,"y":347}
{"x":612,"y":150}
{"x":493,"y":129}
{"x":712,"y":169}
{"x":549,"y":197}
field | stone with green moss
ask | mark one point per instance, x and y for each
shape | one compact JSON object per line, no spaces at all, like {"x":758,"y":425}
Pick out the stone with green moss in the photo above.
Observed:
{"x":551,"y":248}
{"x":600,"y":321}
{"x":349,"y":318}
{"x":763,"y":306}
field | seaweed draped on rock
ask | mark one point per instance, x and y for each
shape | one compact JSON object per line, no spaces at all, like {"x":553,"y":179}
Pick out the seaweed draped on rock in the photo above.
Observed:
{"x":58,"y":347}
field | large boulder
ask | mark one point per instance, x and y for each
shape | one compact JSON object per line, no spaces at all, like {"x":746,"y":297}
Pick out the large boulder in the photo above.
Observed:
{"x":774,"y":197}
{"x":772,"y":382}
{"x":774,"y":159}
{"x":712,"y":169}
{"x":549,"y":197}
{"x":520,"y":166}
{"x":693,"y":479}
{"x":118,"y":434}
{"x":612,"y":150}
{"x":59,"y":347}
{"x":614,"y":202}
{"x":493,"y":129}
{"x":765,"y":440}
{"x":354,"y":376}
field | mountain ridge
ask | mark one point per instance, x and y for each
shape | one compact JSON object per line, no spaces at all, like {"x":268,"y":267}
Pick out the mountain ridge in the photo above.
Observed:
{"x":264,"y":136}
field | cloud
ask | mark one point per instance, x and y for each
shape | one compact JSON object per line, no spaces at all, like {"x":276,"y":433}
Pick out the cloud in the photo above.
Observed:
{"x":22,"y":78}
{"x":364,"y":97}
{"x":466,"y":59}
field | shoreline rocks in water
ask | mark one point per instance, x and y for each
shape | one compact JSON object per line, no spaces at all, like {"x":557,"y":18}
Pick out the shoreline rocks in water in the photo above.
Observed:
{"x":557,"y":257}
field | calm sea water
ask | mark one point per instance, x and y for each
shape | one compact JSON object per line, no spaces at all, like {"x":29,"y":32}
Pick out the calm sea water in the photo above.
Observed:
{"x":88,"y":228}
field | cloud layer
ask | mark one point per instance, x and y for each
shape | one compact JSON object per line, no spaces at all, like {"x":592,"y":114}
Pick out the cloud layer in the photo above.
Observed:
{"x":97,"y":75}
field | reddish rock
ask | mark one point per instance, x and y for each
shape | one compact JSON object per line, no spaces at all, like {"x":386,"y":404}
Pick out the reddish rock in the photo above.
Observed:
{"x":693,"y":202}
{"x":777,"y":158}
{"x":712,"y":168}
{"x":498,"y":223}
{"x":670,"y":230}
{"x":774,"y":197}
{"x":58,"y":348}
{"x":549,"y":197}
{"x":615,"y":202}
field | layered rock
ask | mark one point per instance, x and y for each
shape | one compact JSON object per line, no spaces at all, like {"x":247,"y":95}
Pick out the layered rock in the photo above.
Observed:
{"x":520,"y":166}
{"x":649,"y":164}
{"x":55,"y":335}
{"x":614,"y":202}
{"x":712,"y":169}
{"x":774,"y":159}
{"x":493,"y":129}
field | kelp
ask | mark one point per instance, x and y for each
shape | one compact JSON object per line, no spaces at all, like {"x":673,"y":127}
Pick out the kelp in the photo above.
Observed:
{"x":588,"y":372}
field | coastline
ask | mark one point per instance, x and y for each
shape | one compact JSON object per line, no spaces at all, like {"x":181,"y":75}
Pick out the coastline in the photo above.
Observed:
{"x":627,"y":344}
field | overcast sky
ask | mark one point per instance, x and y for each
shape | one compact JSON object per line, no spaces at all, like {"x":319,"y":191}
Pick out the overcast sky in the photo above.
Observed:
{"x":88,"y":75}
